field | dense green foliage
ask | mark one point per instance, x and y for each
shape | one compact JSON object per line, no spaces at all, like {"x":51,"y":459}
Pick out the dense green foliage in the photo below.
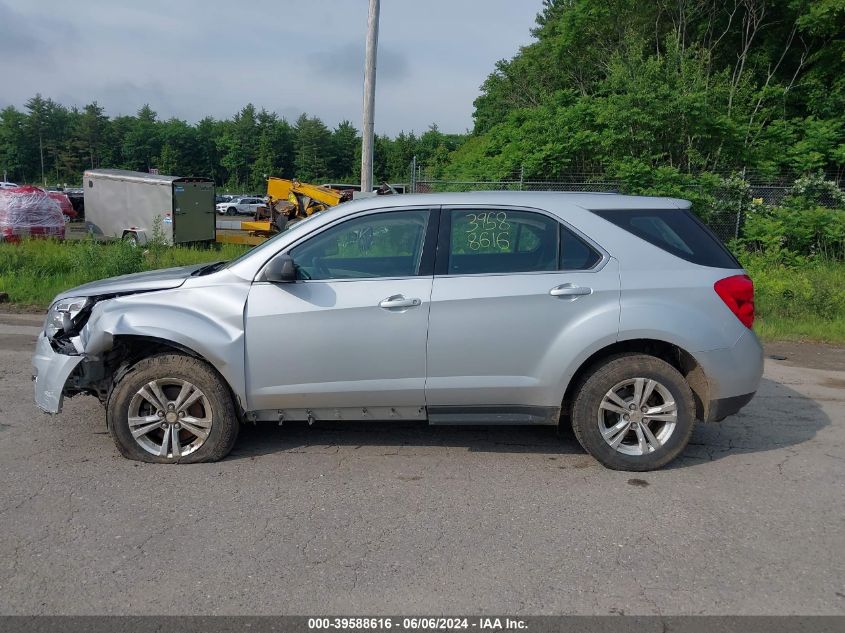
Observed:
{"x":237,"y":153}
{"x":807,"y":227}
{"x":787,"y":235}
{"x":658,"y":93}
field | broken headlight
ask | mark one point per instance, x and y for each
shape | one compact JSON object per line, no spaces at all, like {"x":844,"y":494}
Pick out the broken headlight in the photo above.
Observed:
{"x":63,"y":314}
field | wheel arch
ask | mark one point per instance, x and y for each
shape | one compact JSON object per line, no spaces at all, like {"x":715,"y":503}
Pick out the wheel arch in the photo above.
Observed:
{"x":129,"y":349}
{"x":673,"y":354}
{"x":210,"y":327}
{"x":139,"y":235}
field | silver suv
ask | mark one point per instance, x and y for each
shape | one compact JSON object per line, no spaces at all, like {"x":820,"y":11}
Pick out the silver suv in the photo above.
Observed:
{"x":621,"y":316}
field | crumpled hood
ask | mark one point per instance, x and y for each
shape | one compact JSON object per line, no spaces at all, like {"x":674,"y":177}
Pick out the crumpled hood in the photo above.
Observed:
{"x":137,"y":282}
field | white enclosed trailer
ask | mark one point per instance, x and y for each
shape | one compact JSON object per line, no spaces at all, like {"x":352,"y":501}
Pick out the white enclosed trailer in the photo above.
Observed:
{"x":128,"y":205}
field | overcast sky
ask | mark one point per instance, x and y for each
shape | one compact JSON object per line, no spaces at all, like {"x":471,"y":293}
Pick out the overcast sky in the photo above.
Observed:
{"x":192,"y":58}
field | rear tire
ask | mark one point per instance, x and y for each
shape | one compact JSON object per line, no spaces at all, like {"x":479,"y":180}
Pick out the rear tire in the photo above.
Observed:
{"x":610,"y":414}
{"x":143,"y":412}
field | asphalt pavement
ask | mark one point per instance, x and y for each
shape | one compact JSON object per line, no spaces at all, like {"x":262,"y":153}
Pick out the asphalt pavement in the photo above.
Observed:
{"x":405,"y":518}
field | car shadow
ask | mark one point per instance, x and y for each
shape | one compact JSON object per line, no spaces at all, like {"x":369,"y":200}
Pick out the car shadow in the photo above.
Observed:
{"x":264,"y":438}
{"x":778,"y":417}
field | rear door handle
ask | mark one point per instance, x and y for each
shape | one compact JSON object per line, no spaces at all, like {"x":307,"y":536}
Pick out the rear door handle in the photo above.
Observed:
{"x":570,"y":290}
{"x":398,"y":301}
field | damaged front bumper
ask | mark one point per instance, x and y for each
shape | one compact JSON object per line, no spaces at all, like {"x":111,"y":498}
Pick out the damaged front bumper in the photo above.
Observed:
{"x":50,"y":373}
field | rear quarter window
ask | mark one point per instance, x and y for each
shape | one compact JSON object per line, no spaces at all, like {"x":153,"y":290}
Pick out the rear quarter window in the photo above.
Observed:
{"x":676,"y":231}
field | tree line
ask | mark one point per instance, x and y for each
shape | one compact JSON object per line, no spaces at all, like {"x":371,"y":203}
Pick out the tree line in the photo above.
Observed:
{"x":47,"y":142}
{"x":659,"y":94}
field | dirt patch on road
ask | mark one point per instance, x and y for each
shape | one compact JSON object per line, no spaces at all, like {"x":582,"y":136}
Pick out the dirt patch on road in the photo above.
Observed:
{"x":813,"y":355}
{"x":17,"y":342}
{"x":836,"y":383}
{"x":35,"y":320}
{"x":21,"y":308}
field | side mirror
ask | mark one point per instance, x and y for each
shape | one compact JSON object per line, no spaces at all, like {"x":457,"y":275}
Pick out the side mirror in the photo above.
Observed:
{"x":281,"y":269}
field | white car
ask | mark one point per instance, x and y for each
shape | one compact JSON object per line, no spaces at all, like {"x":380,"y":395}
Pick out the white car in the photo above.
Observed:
{"x":8,"y":185}
{"x":239,"y":206}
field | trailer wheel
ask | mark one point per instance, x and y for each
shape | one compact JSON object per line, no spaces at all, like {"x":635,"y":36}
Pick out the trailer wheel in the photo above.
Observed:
{"x":131,"y":238}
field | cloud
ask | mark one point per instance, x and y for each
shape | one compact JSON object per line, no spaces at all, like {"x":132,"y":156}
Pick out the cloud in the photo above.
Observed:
{"x":347,"y":62}
{"x":26,"y":41}
{"x":197,"y":58}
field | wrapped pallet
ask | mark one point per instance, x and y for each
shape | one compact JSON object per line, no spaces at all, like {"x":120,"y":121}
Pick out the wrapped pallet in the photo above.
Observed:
{"x":29,"y":212}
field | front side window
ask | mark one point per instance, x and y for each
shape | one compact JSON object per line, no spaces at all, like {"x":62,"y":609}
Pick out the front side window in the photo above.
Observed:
{"x":502,"y":241}
{"x":379,"y":245}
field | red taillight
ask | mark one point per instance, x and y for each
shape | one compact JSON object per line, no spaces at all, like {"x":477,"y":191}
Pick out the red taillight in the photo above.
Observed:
{"x":738,"y":294}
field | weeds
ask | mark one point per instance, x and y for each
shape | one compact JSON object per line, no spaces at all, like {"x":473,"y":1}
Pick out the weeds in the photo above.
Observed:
{"x":35,"y":271}
{"x":805,"y":302}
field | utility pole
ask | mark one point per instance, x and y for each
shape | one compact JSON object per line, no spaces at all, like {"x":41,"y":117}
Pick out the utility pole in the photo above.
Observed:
{"x":41,"y":151}
{"x":369,"y":98}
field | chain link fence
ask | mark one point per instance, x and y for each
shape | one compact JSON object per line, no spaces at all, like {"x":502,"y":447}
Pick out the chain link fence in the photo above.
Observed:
{"x":725,"y":216}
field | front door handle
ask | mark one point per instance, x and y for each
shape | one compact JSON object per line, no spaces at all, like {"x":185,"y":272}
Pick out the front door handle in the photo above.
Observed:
{"x":398,"y":301}
{"x":570,"y":290}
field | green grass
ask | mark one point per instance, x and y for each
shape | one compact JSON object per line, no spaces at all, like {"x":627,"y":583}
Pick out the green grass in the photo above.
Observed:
{"x":34,"y":271}
{"x":806,"y":302}
{"x":798,"y":303}
{"x":811,"y":329}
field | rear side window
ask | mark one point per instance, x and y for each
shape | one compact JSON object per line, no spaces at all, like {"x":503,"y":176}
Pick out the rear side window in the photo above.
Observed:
{"x":506,"y":241}
{"x":676,"y":231}
{"x":512,"y":241}
{"x":575,"y":254}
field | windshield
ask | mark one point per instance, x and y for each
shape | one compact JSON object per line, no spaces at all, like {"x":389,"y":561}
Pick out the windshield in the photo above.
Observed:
{"x":274,"y":240}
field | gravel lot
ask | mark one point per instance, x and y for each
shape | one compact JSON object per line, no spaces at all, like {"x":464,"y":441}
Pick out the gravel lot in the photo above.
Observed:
{"x":381,"y":518}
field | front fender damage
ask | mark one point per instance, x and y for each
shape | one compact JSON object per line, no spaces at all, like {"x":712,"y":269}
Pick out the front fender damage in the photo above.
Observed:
{"x":122,"y":330}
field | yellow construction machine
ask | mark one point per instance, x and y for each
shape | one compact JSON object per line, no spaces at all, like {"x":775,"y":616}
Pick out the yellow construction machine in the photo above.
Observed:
{"x":287,"y":201}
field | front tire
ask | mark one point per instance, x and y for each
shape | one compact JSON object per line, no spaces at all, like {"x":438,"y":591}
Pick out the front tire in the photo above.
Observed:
{"x":172,"y":408}
{"x":633,"y":412}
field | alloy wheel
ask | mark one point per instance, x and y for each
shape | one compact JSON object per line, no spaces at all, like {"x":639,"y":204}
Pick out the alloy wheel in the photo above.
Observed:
{"x":637,"y":416}
{"x":170,"y":417}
